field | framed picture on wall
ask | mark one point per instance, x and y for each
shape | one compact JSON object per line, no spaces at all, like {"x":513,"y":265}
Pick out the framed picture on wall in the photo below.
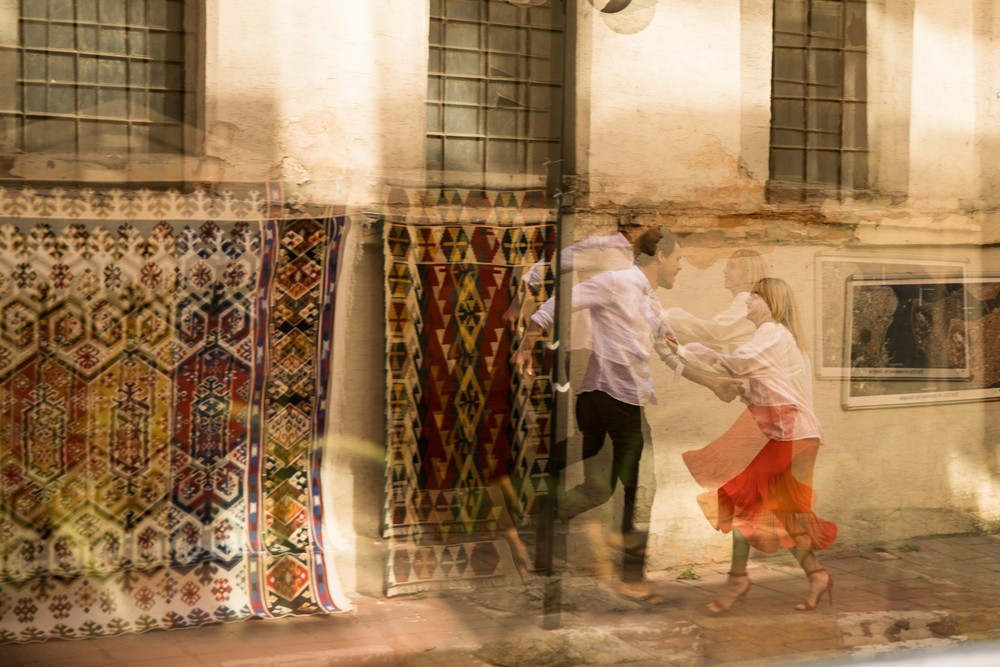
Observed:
{"x":914,"y":341}
{"x":833,"y":270}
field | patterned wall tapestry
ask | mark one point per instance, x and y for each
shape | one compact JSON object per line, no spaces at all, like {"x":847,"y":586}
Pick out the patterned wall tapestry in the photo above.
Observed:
{"x":162,"y":383}
{"x":462,"y":425}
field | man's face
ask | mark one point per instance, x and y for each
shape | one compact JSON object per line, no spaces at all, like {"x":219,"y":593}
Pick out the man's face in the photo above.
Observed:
{"x":667,"y":267}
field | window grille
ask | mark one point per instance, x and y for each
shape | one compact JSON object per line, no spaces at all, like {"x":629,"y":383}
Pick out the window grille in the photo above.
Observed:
{"x":818,"y":99}
{"x":494,"y":89}
{"x":98,"y":76}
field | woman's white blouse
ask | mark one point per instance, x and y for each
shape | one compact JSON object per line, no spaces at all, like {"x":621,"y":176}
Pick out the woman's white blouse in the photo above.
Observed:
{"x":778,"y":377}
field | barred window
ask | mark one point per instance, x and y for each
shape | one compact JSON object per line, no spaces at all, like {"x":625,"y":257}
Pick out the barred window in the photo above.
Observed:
{"x":95,"y":76}
{"x":494,"y":90}
{"x":818,"y":99}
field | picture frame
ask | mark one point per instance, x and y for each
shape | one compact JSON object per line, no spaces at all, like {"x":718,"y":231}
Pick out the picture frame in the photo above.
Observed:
{"x":917,"y":341}
{"x":834,"y":269}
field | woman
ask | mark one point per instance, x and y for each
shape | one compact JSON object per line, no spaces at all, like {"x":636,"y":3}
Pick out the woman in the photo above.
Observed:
{"x":729,"y":328}
{"x":764,"y":493}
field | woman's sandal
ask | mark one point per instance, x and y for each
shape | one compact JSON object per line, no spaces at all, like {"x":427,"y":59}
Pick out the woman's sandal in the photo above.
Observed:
{"x":722,"y":604}
{"x":807,"y":605}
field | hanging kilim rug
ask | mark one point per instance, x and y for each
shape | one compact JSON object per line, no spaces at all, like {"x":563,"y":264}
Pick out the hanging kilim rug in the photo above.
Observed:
{"x":162,"y":392}
{"x":467,"y":436}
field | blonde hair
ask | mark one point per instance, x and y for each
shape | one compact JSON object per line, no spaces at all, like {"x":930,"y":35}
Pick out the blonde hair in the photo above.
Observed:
{"x":778,"y":297}
{"x":751,"y":265}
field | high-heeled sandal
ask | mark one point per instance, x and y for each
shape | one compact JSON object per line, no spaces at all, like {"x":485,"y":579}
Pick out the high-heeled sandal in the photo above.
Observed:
{"x":806,"y":605}
{"x":718,"y":606}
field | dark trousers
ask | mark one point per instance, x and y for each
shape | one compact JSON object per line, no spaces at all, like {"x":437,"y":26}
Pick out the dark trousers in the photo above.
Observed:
{"x":599,"y":417}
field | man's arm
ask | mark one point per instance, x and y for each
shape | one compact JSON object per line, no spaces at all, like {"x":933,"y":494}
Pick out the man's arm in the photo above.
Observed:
{"x":725,"y":388}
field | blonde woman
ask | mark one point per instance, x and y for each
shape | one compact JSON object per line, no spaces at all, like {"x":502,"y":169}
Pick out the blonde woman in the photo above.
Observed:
{"x":764,"y":491}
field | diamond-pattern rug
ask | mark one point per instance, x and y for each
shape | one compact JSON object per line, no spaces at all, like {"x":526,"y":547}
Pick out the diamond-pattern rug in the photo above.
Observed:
{"x":162,"y":393}
{"x":462,"y":425}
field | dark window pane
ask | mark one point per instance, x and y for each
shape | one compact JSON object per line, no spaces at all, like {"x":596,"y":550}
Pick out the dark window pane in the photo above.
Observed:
{"x":504,"y":39}
{"x":463,"y":35}
{"x":90,"y":133}
{"x":855,"y":126}
{"x":112,"y":71}
{"x":788,"y":165}
{"x":137,"y":43}
{"x":61,"y":10}
{"x":462,"y":91}
{"x":175,"y":14}
{"x":433,"y":89}
{"x":855,"y":76}
{"x":61,"y":68}
{"x":788,"y":114}
{"x":62,"y":99}
{"x":173,"y":76}
{"x":111,"y":103}
{"x":824,"y":116}
{"x":504,"y":66}
{"x":137,"y":12}
{"x":856,"y":32}
{"x":86,"y":10}
{"x":790,"y":16}
{"x":112,"y":11}
{"x":433,"y":118}
{"x":34,"y":34}
{"x":789,"y":64}
{"x":114,"y":138}
{"x":463,"y":120}
{"x":87,"y":72}
{"x":823,"y":168}
{"x":464,"y":9}
{"x":174,"y":106}
{"x":507,"y":155}
{"x":788,"y":139}
{"x":51,"y":134}
{"x":825,"y":19}
{"x":34,"y":66}
{"x":86,"y":100}
{"x":157,"y":13}
{"x":462,"y":154}
{"x":86,"y":37}
{"x":62,"y":36}
{"x":825,"y":71}
{"x":138,"y":105}
{"x":463,"y":63}
{"x":34,"y":98}
{"x":502,"y":122}
{"x":139,"y":138}
{"x":138,"y":73}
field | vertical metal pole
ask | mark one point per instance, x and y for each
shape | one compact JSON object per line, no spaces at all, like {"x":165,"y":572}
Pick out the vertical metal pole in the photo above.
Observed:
{"x":547,"y":533}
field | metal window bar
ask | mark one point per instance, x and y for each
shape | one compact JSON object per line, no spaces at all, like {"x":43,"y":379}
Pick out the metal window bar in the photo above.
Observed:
{"x":102,"y":76}
{"x":816,"y":140}
{"x":494,"y":90}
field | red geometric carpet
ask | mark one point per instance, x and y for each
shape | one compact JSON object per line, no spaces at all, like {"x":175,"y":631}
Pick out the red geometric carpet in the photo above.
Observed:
{"x":463,"y":426}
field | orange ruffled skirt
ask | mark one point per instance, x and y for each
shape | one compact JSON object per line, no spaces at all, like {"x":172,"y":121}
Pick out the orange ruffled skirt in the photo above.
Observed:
{"x":770,"y":500}
{"x":771,"y":505}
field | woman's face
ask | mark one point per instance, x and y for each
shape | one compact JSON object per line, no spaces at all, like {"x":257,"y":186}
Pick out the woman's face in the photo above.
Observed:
{"x":758,"y":311}
{"x":732,"y":276}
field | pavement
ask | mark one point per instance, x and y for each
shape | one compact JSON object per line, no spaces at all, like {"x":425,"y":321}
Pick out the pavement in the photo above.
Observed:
{"x":929,"y":601}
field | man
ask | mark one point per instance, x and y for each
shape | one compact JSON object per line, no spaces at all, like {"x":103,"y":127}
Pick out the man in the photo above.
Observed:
{"x":627,"y":325}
